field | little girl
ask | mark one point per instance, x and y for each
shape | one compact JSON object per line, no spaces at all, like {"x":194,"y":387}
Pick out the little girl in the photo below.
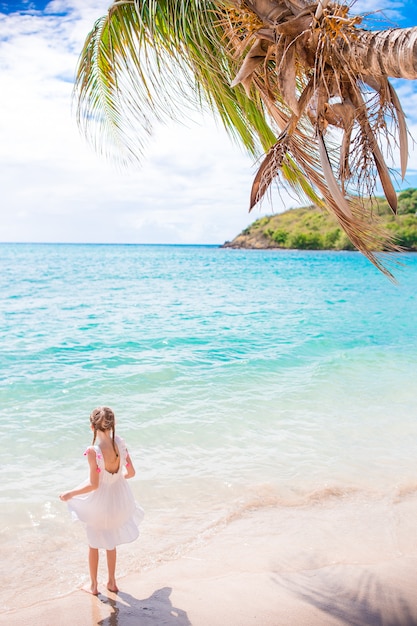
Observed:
{"x":105,"y":502}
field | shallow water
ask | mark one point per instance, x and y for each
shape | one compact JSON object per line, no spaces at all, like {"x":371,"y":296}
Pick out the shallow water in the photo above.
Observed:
{"x":240,"y":379}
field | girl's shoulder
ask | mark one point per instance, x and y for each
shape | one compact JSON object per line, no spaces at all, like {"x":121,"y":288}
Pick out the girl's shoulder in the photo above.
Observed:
{"x":95,"y":450}
{"x":92,"y":449}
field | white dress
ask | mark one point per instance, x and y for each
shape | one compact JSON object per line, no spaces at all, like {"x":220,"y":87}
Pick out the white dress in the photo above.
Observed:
{"x":110,"y":513}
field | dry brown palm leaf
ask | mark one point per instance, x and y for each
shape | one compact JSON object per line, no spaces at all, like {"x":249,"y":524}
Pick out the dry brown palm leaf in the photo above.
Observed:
{"x":255,"y":57}
{"x":296,"y":26}
{"x":330,"y":178}
{"x":266,"y":33}
{"x":385,"y":178}
{"x":269,"y":169}
{"x":370,"y":140}
{"x":342,"y":115}
{"x":272,"y":163}
{"x":388,"y":96}
{"x":348,"y":82}
{"x":320,"y":7}
{"x":402,"y":129}
{"x":296,"y":6}
{"x":287,"y":76}
{"x":268,"y":11}
{"x":362,"y":228}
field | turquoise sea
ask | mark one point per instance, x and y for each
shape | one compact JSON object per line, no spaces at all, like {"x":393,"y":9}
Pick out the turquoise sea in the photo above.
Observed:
{"x":239,"y":379}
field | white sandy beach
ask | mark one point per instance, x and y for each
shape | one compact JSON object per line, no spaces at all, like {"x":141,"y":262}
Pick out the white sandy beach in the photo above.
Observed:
{"x":332,"y":563}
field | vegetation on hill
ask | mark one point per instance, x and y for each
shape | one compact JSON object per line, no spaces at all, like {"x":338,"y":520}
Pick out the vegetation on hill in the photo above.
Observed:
{"x":311,"y":228}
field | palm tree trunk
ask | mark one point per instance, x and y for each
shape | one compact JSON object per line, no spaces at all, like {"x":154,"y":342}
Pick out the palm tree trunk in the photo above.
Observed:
{"x":391,"y":53}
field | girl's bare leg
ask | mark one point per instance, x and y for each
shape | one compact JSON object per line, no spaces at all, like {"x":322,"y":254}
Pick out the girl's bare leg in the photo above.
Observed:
{"x":93,"y":566}
{"x":111,"y":566}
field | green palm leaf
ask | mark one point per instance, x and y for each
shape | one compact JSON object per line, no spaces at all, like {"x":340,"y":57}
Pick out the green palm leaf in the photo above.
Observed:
{"x":149,"y":61}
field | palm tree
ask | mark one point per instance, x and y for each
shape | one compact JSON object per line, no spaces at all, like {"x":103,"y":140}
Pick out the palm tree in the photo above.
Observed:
{"x":303,"y":84}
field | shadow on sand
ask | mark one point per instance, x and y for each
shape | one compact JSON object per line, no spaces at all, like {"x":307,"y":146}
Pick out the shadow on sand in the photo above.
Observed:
{"x":157,"y":610}
{"x":356,"y":600}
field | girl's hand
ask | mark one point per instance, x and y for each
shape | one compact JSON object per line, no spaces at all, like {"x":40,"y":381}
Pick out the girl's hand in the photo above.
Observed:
{"x":65,"y":496}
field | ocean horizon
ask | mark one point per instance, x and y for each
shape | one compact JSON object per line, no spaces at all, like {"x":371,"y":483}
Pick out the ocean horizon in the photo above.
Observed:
{"x":241,"y":380}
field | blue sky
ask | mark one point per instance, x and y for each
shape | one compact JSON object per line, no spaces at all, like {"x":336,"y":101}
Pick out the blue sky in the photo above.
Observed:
{"x":194,"y":184}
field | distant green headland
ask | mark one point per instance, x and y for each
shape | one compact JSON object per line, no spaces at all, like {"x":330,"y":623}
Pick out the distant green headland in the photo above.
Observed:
{"x":311,"y":228}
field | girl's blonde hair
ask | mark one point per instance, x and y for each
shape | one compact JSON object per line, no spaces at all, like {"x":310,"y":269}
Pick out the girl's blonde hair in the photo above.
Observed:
{"x":102,"y":418}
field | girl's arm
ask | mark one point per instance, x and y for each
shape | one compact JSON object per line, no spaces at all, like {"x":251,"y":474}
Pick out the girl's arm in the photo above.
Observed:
{"x":130,"y":470}
{"x":92,"y":483}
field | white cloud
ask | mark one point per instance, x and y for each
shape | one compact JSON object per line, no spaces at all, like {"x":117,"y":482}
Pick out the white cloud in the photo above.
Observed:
{"x":192,"y":188}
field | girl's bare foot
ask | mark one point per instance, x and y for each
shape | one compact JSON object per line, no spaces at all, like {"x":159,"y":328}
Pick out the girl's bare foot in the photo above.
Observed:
{"x":90,"y":588}
{"x":111,"y":586}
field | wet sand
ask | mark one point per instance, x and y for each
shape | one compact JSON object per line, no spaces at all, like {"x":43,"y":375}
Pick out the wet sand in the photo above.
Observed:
{"x":329,"y":564}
